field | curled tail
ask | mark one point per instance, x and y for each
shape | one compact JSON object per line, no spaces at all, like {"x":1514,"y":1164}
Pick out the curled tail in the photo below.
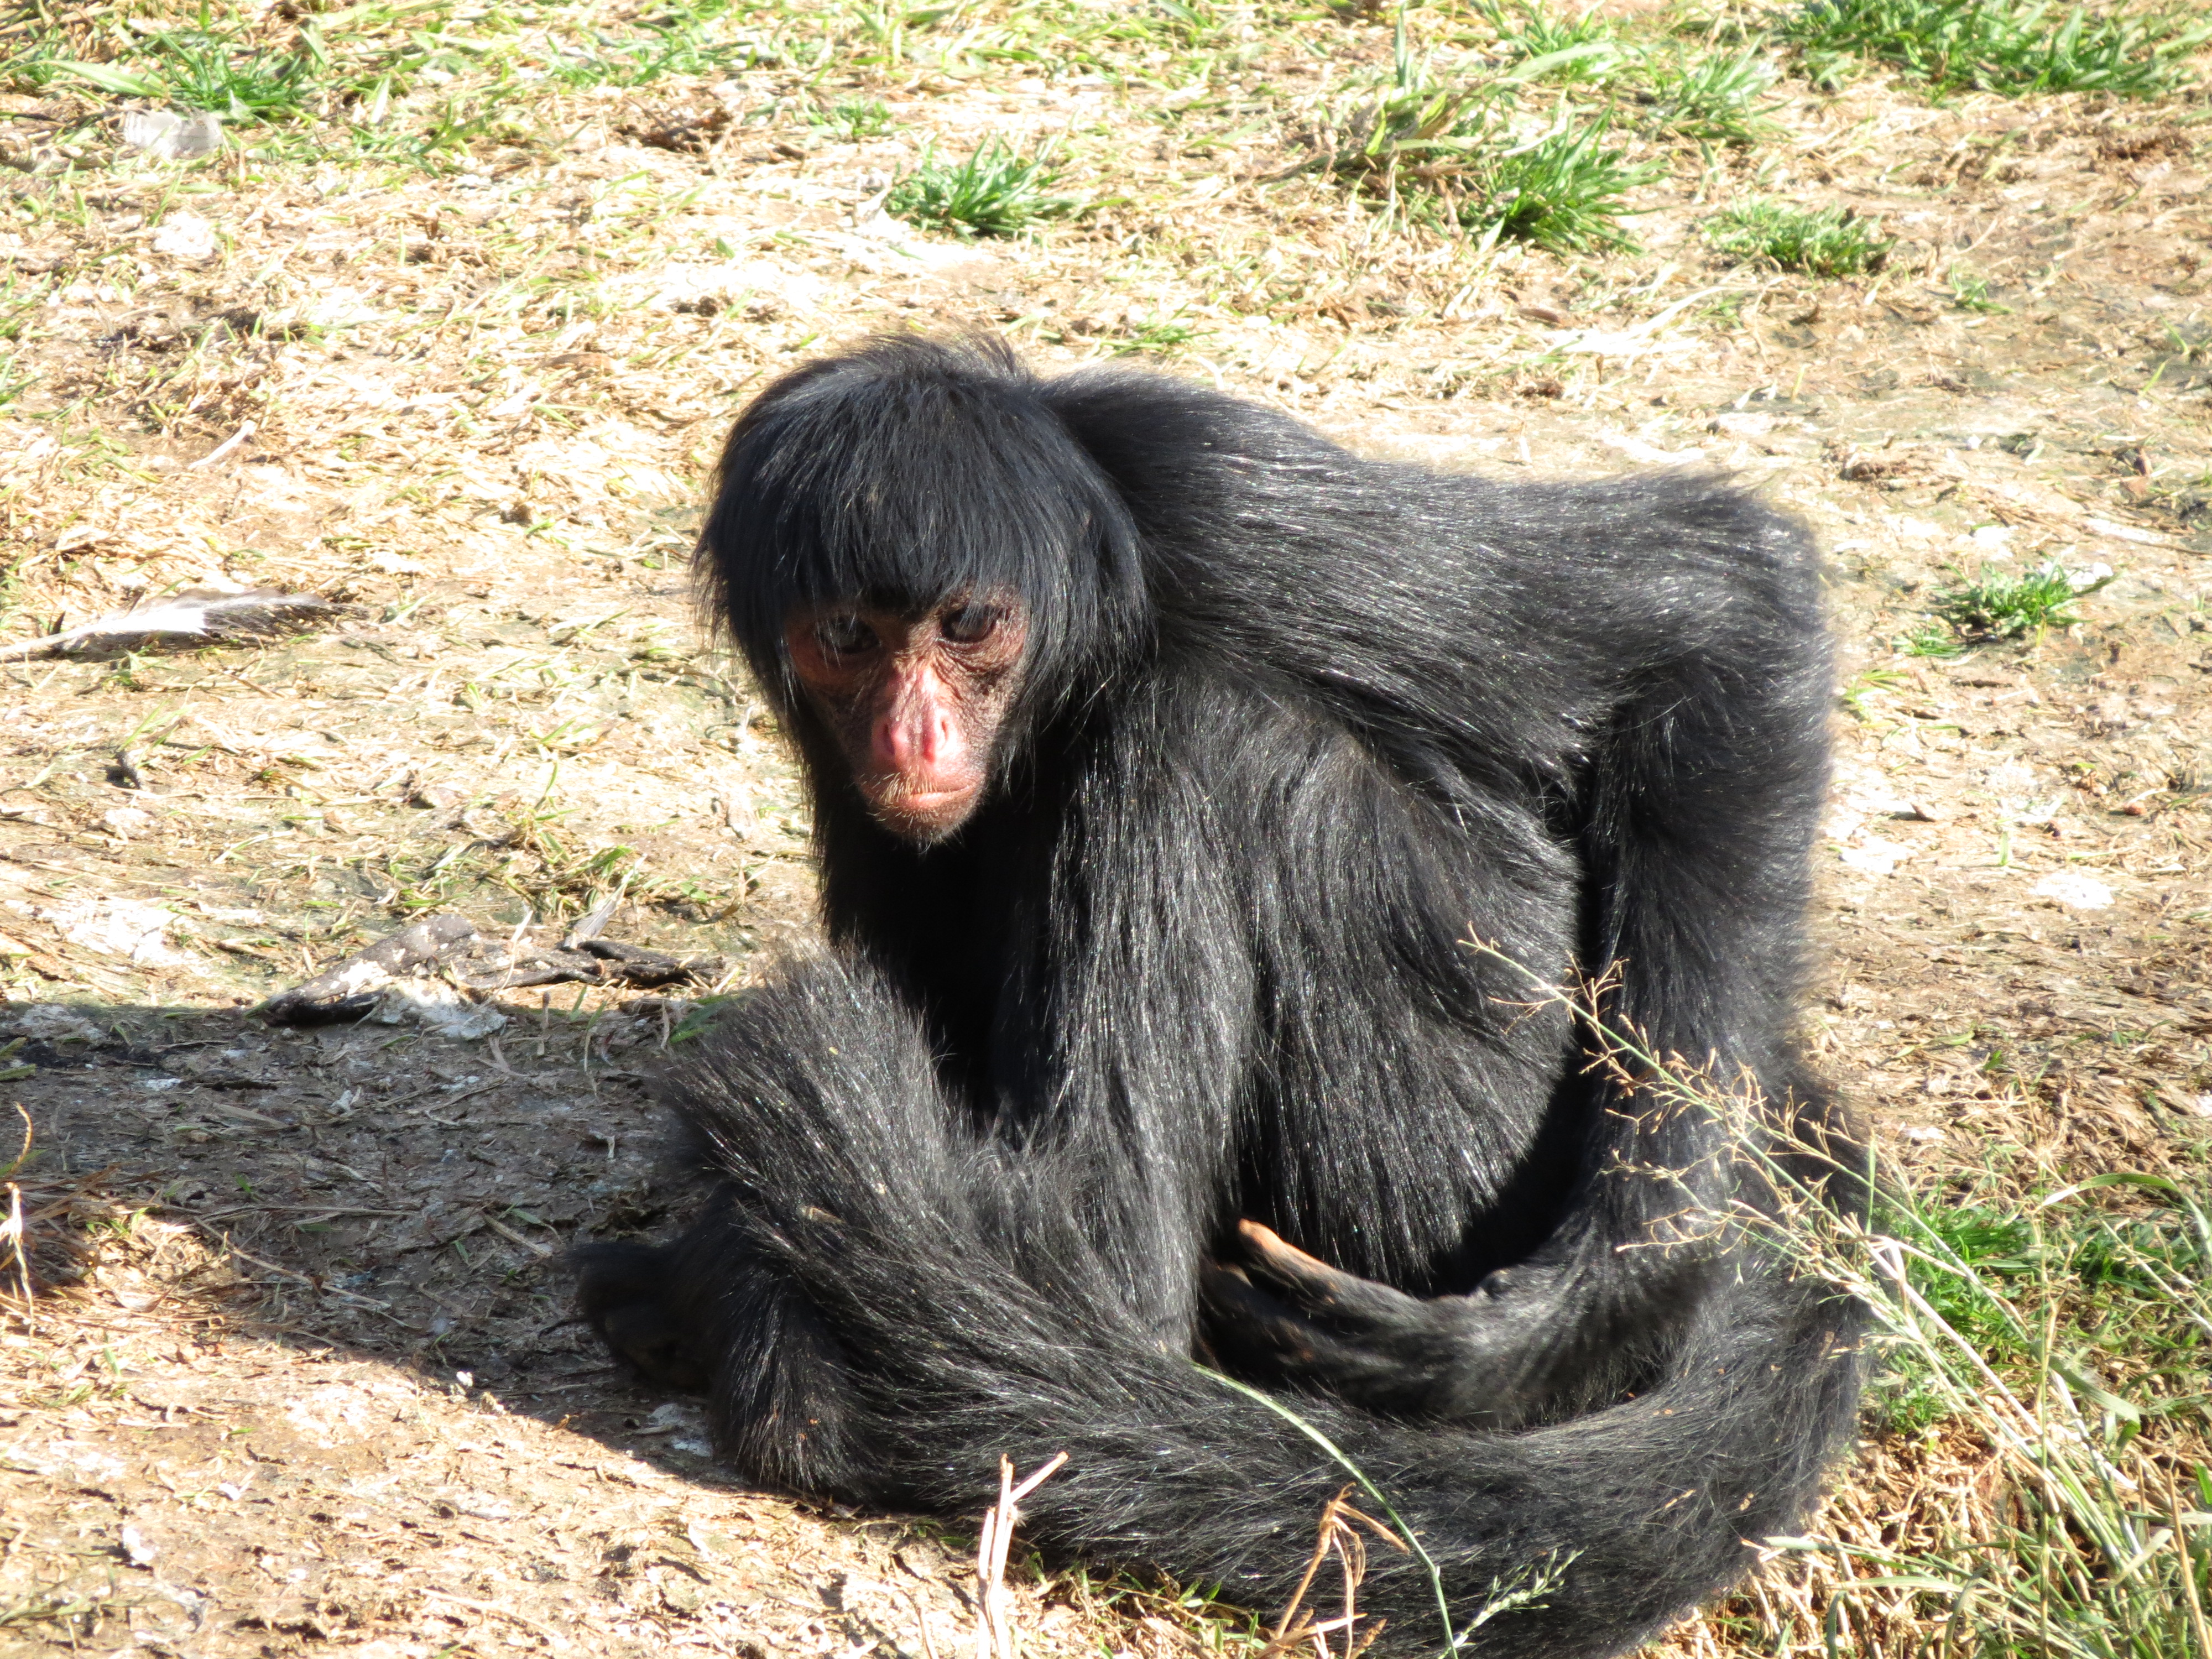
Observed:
{"x":949,"y":1325}
{"x":1615,"y":1523}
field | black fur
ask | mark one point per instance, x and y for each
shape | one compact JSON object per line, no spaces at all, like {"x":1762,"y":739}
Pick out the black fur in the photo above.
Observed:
{"x":1299,"y":727}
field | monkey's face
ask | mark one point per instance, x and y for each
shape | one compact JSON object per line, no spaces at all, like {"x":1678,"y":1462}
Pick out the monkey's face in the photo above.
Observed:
{"x":915,"y":700}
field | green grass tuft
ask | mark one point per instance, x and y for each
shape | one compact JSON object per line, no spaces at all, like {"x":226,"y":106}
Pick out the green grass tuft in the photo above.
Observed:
{"x":1821,"y":242}
{"x":2005,"y":607}
{"x":1578,"y":47}
{"x":198,"y":70}
{"x":1563,"y":192}
{"x":995,"y":192}
{"x":1164,"y":335}
{"x":1455,"y":154}
{"x":1999,"y":46}
{"x":1716,"y":98}
{"x":1971,"y":293}
{"x":2069,"y":1334}
{"x":855,"y":119}
{"x":676,"y":46}
{"x":206,"y":71}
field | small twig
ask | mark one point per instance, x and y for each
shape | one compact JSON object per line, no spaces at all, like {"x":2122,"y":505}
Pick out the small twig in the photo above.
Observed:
{"x":11,"y":1233}
{"x":1337,"y":1533}
{"x":226,"y":446}
{"x":2198,"y":1626}
{"x":995,"y":1636}
{"x":550,"y":1638}
{"x":513,"y":1236}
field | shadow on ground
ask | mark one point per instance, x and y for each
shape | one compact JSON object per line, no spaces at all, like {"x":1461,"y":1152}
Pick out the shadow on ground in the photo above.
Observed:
{"x":310,"y":1375}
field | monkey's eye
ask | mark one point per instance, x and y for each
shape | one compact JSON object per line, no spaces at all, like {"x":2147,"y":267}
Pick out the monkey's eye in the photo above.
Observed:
{"x":970,"y":623}
{"x":844,"y":636}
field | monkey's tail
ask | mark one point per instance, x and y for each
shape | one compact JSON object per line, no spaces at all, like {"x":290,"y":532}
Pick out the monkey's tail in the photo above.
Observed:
{"x":1571,"y":1539}
{"x":1580,"y":1538}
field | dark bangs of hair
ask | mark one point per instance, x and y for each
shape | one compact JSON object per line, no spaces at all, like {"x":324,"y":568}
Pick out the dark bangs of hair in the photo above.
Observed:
{"x":905,"y":474}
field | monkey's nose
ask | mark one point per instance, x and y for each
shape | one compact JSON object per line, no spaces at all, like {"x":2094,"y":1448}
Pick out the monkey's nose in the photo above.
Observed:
{"x":919,"y":743}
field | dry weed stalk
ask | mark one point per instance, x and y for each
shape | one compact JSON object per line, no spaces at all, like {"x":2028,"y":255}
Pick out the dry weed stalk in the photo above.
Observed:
{"x":2030,"y":1526}
{"x":11,"y":1234}
{"x":11,"y":1229}
{"x":995,"y":1627}
{"x":1339,"y":1535}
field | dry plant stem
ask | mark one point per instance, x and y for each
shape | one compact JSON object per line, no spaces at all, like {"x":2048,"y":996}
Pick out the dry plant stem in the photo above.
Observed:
{"x":11,"y":1231}
{"x":920,"y":1613}
{"x":1405,"y":1539}
{"x":224,"y":448}
{"x":2199,"y":1628}
{"x":1325,"y":1536}
{"x":551,"y":1639}
{"x":994,"y":1631}
{"x":1337,"y":1533}
{"x":23,"y":1152}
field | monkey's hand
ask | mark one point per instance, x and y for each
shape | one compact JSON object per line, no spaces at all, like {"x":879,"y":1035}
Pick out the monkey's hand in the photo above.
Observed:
{"x":625,"y":1291}
{"x":1518,"y":1349}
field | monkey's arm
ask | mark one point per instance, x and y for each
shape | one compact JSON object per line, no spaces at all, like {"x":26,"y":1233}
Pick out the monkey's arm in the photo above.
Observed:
{"x":1697,"y":812}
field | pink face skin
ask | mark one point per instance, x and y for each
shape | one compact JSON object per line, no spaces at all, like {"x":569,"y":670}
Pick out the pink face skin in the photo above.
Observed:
{"x":914,"y":701}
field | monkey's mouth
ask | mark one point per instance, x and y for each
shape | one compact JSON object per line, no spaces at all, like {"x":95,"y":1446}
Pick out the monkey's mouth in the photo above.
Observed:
{"x":922,"y":815}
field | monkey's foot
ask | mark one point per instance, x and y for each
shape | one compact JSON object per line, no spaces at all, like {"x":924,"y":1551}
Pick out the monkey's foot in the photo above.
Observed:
{"x":1492,"y":1358}
{"x":627,"y":1293}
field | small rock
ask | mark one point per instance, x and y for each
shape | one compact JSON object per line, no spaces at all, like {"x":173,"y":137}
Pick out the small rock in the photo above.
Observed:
{"x":185,"y":236}
{"x":2073,"y":891}
{"x":172,"y":137}
{"x":1876,"y":858}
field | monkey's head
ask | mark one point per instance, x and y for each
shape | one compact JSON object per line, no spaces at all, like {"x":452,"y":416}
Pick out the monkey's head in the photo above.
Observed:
{"x":920,"y":565}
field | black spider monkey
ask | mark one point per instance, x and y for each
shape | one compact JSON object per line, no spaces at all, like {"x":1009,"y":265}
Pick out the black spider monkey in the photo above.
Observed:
{"x":1168,"y":762}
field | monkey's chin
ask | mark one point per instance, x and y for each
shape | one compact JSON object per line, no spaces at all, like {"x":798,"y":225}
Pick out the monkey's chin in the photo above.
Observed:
{"x":924,"y":817}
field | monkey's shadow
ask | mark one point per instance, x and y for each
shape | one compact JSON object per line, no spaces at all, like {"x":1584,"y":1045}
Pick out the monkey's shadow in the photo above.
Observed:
{"x":383,"y":1192}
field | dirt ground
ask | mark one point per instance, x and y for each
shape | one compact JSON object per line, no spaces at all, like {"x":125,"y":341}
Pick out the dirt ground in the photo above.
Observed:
{"x":299,"y":1375}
